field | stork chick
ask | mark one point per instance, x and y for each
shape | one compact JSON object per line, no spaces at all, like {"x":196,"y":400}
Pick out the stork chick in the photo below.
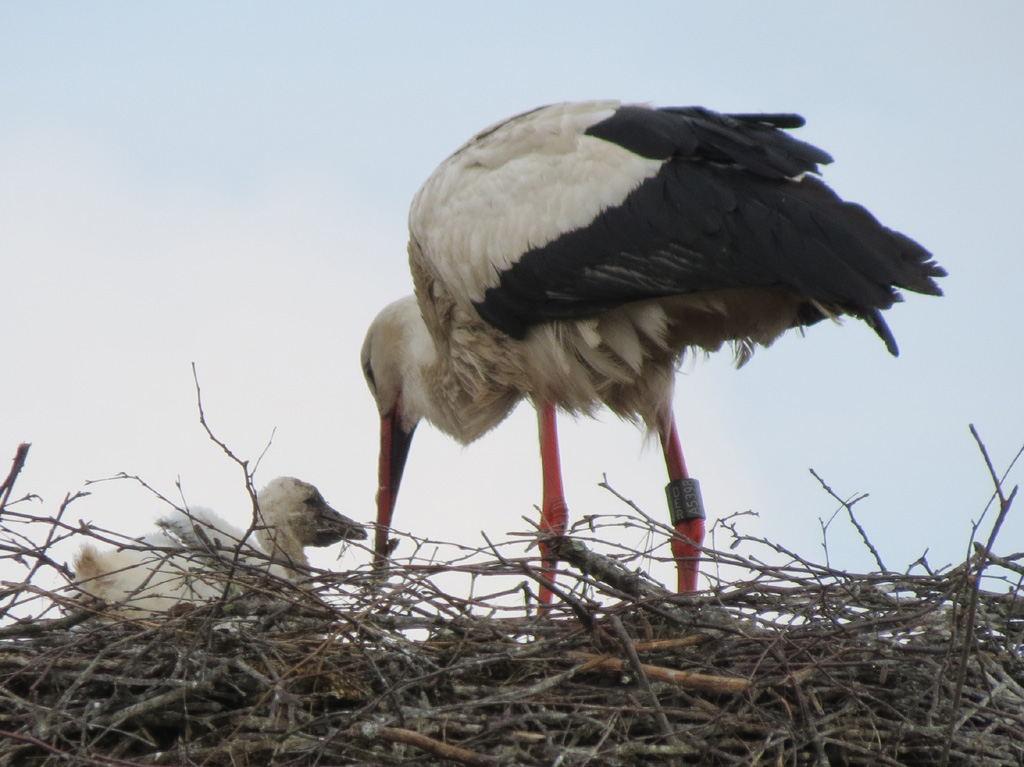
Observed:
{"x":189,"y":559}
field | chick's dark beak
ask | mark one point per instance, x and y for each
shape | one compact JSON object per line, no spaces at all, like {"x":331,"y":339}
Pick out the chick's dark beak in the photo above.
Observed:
{"x":332,"y":527}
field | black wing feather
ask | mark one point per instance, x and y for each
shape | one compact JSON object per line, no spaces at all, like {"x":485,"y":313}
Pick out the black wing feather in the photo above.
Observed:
{"x":722,"y":213}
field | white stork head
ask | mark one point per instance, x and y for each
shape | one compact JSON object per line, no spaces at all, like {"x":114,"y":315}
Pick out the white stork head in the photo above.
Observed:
{"x":396,"y":351}
{"x":295,"y":515}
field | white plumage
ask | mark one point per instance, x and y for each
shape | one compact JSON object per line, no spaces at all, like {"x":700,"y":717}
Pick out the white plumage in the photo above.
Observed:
{"x":516,"y":187}
{"x":572,"y":254}
{"x":191,"y":558}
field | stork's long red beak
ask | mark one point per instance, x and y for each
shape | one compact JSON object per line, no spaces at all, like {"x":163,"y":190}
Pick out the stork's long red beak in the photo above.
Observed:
{"x":394,"y":450}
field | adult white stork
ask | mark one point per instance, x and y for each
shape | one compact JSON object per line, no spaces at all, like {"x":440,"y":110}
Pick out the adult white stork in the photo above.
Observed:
{"x":573,"y":253}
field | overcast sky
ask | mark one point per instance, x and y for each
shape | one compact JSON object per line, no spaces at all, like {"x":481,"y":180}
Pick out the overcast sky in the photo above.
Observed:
{"x":227,"y":184}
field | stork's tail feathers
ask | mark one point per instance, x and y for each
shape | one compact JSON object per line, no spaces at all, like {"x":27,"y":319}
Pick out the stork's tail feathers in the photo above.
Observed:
{"x":90,"y":564}
{"x":922,"y":270}
{"x":874,"y":319}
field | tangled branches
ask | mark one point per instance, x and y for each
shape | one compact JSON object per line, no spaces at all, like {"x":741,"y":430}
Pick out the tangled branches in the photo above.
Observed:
{"x":794,"y":663}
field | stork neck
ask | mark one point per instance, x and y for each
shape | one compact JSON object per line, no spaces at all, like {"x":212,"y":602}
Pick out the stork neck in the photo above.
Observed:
{"x":451,"y":391}
{"x":285,"y":551}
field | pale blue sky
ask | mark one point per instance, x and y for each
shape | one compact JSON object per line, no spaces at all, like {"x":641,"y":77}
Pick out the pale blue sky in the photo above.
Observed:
{"x":227,"y":183}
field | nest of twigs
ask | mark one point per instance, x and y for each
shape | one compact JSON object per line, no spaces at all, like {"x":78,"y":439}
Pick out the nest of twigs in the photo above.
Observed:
{"x":790,"y":664}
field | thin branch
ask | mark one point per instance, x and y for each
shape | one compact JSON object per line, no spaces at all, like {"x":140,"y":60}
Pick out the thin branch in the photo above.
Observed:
{"x":1004,"y":501}
{"x":206,"y":427}
{"x":972,"y":582}
{"x":16,"y":466}
{"x":848,"y":505}
{"x":430,"y":745}
{"x":643,"y":680}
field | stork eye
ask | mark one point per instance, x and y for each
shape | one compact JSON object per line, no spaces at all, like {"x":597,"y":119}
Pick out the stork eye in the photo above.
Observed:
{"x":368,"y":372}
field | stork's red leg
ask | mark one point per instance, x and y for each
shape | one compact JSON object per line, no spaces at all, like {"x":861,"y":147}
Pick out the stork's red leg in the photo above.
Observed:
{"x":685,"y":506}
{"x":554,"y":511}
